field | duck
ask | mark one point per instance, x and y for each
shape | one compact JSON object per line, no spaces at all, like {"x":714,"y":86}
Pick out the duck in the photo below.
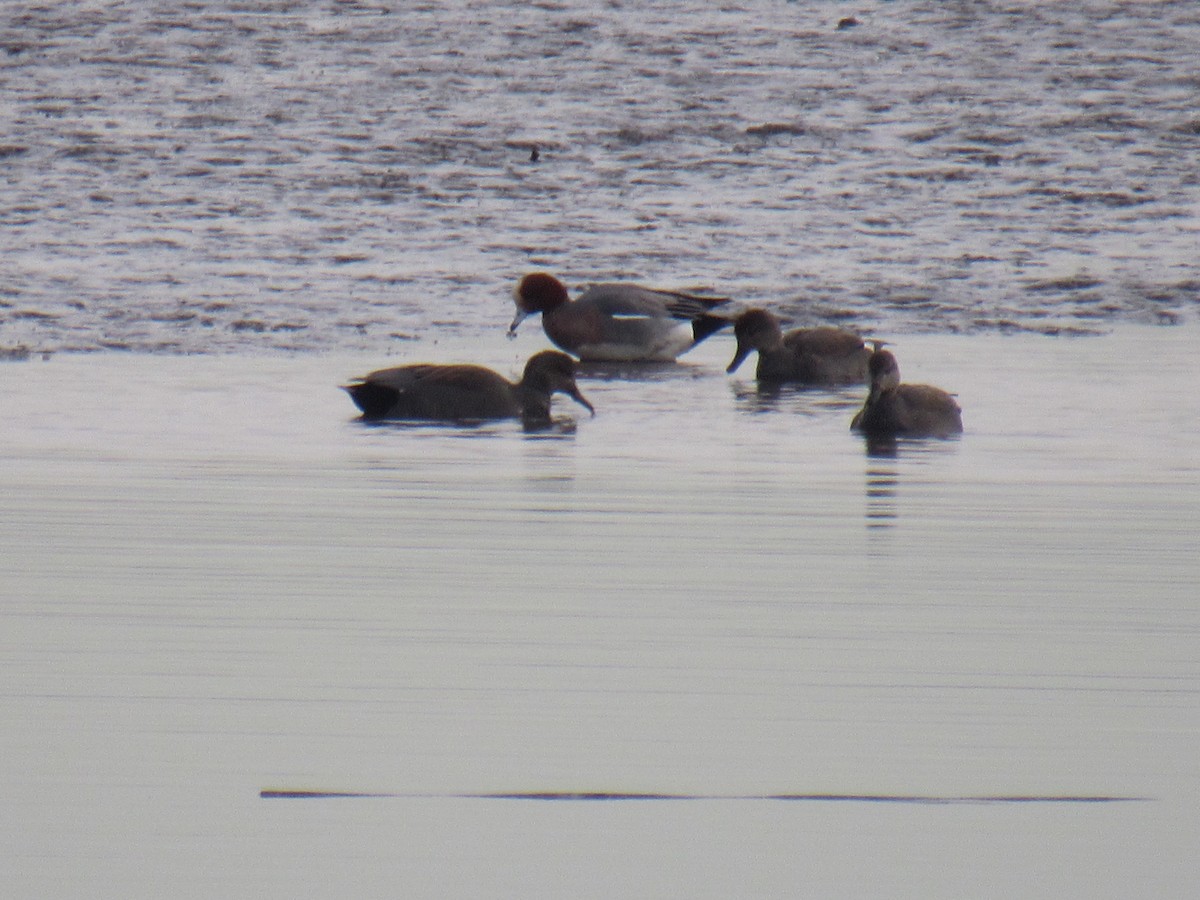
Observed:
{"x":896,"y":410}
{"x":618,"y":322}
{"x":464,"y":392}
{"x":823,"y":356}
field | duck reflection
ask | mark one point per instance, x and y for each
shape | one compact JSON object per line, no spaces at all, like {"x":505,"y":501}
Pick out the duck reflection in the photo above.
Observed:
{"x":882,"y":448}
{"x":556,"y":427}
{"x":645,"y":371}
{"x":765,"y":396}
{"x":548,"y":471}
{"x":888,"y":462}
{"x":883,"y":477}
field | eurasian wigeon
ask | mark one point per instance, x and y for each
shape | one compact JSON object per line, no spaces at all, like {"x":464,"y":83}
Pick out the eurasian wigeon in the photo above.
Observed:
{"x":618,"y":322}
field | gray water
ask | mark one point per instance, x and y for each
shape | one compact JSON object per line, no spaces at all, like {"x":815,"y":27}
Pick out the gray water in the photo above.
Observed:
{"x":218,"y":582}
{"x":970,"y":665}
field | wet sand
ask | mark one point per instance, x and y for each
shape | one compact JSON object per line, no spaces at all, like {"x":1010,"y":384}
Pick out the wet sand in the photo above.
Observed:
{"x":271,"y":175}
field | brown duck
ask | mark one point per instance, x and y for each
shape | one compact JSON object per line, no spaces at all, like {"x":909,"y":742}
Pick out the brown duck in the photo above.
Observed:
{"x":895,"y":410}
{"x":467,"y":392}
{"x":821,"y":356}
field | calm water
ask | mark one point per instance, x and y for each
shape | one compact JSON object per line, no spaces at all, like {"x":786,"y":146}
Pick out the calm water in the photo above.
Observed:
{"x":216,"y":582}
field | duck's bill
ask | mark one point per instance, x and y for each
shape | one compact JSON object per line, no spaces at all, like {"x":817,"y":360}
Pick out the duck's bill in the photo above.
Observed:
{"x":517,"y":320}
{"x":738,"y":359}
{"x":578,"y":397}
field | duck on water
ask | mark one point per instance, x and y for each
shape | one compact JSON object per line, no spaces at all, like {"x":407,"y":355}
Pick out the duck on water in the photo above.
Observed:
{"x":619,"y":322}
{"x":465,"y":393}
{"x":815,"y":356}
{"x":893,"y":409}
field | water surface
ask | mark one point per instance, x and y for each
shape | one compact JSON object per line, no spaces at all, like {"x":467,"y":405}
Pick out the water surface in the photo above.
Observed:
{"x":217,"y":582}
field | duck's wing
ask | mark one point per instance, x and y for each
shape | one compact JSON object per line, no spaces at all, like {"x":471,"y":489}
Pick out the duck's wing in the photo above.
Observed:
{"x":928,"y":410}
{"x":632,"y":300}
{"x":427,"y":390}
{"x":824,"y":341}
{"x":417,"y":375}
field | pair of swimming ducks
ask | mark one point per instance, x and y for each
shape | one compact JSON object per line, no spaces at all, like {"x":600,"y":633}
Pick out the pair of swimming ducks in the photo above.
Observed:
{"x":630,"y":323}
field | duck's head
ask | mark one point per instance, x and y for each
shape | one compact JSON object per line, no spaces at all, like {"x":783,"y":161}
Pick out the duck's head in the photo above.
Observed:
{"x":755,"y":329}
{"x":551,"y":372}
{"x":537,"y":292}
{"x":883,"y":368}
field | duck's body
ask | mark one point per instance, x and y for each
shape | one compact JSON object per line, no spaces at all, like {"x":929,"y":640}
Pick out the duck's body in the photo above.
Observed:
{"x":467,"y":392}
{"x":896,"y":410}
{"x":820,"y":356}
{"x":618,"y":322}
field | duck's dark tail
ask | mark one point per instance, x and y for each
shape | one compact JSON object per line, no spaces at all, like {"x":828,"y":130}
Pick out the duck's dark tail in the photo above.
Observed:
{"x":708,"y":315}
{"x":706,"y":325}
{"x":373,"y":399}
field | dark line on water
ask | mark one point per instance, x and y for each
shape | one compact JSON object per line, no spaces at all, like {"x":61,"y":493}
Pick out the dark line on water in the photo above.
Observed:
{"x":316,"y":795}
{"x":592,"y":796}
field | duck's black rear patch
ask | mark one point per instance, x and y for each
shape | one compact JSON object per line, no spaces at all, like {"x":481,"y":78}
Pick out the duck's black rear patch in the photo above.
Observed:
{"x":374,"y":400}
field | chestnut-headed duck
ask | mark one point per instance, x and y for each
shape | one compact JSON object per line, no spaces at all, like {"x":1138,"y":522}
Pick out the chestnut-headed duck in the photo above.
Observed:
{"x":618,"y":322}
{"x":822,"y":355}
{"x":467,"y":392}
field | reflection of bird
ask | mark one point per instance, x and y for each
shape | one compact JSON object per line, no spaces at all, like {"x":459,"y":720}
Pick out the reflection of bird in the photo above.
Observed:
{"x":881,"y":495}
{"x":618,"y":322}
{"x":893,"y":409}
{"x":821,"y":355}
{"x":466,"y":392}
